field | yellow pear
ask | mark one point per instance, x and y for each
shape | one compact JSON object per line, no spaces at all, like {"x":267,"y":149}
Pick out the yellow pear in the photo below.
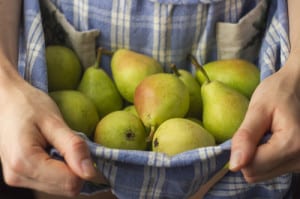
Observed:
{"x":177,"y":135}
{"x":129,"y":68}
{"x":121,"y":130}
{"x":160,"y":97}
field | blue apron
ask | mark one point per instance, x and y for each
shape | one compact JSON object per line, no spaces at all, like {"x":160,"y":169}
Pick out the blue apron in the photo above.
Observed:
{"x":167,"y":30}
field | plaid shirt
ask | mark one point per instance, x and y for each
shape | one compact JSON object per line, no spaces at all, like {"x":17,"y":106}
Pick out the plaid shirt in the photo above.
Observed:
{"x":169,"y":30}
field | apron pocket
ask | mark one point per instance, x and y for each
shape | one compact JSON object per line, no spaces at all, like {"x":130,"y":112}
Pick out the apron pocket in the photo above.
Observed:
{"x":242,"y":39}
{"x":58,"y":31}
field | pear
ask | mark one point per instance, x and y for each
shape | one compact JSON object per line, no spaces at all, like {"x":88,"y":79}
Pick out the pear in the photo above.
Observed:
{"x":195,"y":108}
{"x":160,"y":97}
{"x":78,"y":111}
{"x":121,"y":130}
{"x":177,"y":135}
{"x":131,"y":109}
{"x":129,"y":68}
{"x":64,"y":69}
{"x":100,"y":88}
{"x":236,"y":73}
{"x":224,"y":108}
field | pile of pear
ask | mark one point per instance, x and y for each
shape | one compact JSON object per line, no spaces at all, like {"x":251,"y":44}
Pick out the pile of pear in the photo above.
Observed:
{"x":142,"y":106}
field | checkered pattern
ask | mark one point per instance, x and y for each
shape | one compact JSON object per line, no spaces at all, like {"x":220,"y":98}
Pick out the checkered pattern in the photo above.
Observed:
{"x":167,"y":30}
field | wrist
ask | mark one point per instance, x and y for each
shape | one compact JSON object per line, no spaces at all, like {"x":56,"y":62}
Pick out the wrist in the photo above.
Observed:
{"x":292,"y":64}
{"x":290,"y":73}
{"x":8,"y":71}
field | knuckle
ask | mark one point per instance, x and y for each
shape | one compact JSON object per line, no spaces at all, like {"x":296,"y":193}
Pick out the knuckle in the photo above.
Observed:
{"x":241,"y":136}
{"x":16,"y":165}
{"x":13,"y":170}
{"x":77,"y":143}
{"x":11,"y":179}
{"x":255,"y":105}
{"x":51,"y":122}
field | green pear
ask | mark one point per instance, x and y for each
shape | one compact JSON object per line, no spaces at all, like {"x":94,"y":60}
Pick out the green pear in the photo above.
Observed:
{"x":177,"y":135}
{"x":100,"y":88}
{"x":64,"y":69}
{"x":78,"y":111}
{"x":236,"y":73}
{"x":195,"y":108}
{"x":224,"y":108}
{"x":160,"y":97}
{"x":129,"y":68}
{"x":131,"y":109}
{"x":121,"y":130}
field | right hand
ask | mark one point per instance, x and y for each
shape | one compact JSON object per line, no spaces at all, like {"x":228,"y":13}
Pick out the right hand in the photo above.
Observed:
{"x":30,"y":122}
{"x":275,"y":108}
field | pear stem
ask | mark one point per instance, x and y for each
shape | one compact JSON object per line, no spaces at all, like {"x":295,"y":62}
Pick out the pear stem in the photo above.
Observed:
{"x":98,"y":58}
{"x":174,"y":69}
{"x":199,"y":67}
{"x":151,"y":134}
{"x":107,"y":52}
{"x":100,"y":52}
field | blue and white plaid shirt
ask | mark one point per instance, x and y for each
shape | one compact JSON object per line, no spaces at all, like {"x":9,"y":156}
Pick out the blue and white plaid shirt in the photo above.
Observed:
{"x":169,"y":30}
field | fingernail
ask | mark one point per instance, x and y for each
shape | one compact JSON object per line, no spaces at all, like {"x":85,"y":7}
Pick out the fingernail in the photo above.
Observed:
{"x":88,"y":168}
{"x":235,"y":158}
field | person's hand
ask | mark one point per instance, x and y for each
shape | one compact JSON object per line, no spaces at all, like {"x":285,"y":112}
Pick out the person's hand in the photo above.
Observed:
{"x":274,"y":107}
{"x":29,"y":123}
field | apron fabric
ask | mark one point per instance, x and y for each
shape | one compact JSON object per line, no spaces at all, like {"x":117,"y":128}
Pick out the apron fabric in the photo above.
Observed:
{"x":167,"y":30}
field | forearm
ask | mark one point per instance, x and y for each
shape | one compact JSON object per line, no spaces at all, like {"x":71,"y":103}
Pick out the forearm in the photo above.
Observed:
{"x":294,"y":25}
{"x":9,"y":33}
{"x":292,"y":66}
{"x":294,"y":29}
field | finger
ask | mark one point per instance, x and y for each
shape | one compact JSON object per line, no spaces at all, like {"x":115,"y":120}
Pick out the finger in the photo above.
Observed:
{"x":72,"y":147}
{"x":251,"y":176}
{"x":266,"y":163}
{"x":28,"y":165}
{"x":42,"y":173}
{"x":247,"y":137}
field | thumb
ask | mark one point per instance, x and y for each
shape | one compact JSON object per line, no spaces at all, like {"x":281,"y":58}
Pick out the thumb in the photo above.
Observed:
{"x":71,"y":146}
{"x":247,"y":137}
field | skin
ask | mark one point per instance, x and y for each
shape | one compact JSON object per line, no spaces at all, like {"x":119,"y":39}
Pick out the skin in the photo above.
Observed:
{"x":30,"y":121}
{"x":281,"y":154}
